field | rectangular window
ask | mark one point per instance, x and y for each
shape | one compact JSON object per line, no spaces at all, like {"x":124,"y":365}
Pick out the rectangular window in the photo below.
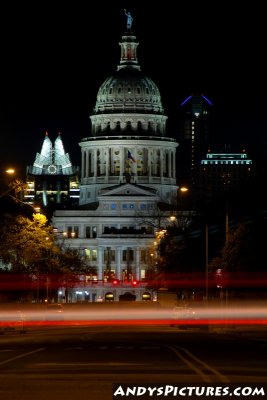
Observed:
{"x":106,"y":229}
{"x":142,"y":273}
{"x":90,"y":255}
{"x":106,"y":256}
{"x":88,"y":232}
{"x":87,"y":254}
{"x":94,"y":232}
{"x":76,"y":231}
{"x":69,"y":231}
{"x":143,"y":256}
{"x":72,"y":232}
{"x":127,"y":255}
{"x":109,"y":255}
{"x":94,"y":255}
{"x":149,"y":229}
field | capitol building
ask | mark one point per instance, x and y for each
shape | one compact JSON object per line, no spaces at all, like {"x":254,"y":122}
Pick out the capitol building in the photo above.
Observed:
{"x":127,"y":182}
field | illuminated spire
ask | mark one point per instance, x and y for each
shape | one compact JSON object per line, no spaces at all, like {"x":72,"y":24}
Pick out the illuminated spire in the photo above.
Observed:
{"x":55,"y":156}
{"x":61,"y":158}
{"x":128,"y":47}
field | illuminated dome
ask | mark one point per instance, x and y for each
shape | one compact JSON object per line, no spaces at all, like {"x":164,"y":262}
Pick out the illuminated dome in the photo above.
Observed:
{"x":128,"y":101}
{"x":128,"y":141}
{"x":128,"y":90}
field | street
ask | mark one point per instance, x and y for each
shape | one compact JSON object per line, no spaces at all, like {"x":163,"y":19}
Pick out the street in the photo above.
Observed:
{"x":86,"y":361}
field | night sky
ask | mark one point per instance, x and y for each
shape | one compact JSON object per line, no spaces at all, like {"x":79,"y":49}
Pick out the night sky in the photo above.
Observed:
{"x":55,"y":55}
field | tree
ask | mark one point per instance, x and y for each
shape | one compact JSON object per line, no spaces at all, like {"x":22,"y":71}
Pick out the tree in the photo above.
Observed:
{"x":238,"y":267}
{"x":237,"y":254}
{"x":30,"y":253}
{"x":177,"y":257}
{"x":73,"y":269}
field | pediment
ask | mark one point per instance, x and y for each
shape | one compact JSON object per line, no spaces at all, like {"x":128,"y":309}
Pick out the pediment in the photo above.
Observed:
{"x":128,"y":190}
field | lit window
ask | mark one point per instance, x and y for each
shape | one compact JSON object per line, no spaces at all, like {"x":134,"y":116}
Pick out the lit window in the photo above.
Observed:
{"x":94,"y":230}
{"x":94,"y":255}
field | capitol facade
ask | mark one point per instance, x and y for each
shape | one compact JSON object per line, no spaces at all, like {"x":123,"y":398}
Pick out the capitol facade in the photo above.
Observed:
{"x":128,"y":177}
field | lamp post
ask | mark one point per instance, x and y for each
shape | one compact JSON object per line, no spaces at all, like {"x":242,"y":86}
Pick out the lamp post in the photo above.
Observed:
{"x":226,"y":221}
{"x":182,"y":214}
{"x":207,"y":248}
{"x":15,"y":185}
{"x":206,"y":261}
{"x":183,"y":190}
{"x":7,"y":183}
{"x":226,"y":240}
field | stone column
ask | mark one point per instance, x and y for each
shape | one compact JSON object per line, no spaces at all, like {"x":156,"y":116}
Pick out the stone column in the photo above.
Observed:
{"x":149,"y":164}
{"x":83,"y":164}
{"x":162,"y":163}
{"x":137,"y":263}
{"x":122,"y":162}
{"x":100,"y":263}
{"x":174,"y":164}
{"x":95,"y":162}
{"x":107,"y":164}
{"x":86,"y":164}
{"x":118,"y":263}
{"x":169,"y":164}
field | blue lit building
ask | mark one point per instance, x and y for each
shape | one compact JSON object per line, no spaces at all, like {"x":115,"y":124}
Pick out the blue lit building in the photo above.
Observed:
{"x":195,"y":126}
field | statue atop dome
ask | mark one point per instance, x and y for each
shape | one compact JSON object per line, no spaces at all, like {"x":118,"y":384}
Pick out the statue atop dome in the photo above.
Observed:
{"x":129,"y":19}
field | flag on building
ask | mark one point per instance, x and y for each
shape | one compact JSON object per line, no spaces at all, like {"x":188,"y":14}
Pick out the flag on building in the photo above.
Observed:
{"x":130,"y":156}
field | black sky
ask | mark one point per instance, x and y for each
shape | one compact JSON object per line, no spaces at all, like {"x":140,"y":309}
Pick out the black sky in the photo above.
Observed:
{"x":55,"y":55}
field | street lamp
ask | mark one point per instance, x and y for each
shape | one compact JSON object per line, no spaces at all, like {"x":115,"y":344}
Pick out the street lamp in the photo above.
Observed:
{"x":17,"y":185}
{"x":182,"y":191}
{"x":10,"y":171}
{"x":172,"y":218}
{"x":207,"y":245}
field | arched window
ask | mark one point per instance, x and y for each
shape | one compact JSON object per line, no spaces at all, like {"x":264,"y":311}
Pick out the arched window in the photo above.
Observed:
{"x":118,"y":126}
{"x":108,"y":127}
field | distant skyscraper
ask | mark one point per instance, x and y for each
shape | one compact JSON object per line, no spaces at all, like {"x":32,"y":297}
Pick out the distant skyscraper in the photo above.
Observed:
{"x":52,"y":179}
{"x":194,"y":135}
{"x":222,"y":173}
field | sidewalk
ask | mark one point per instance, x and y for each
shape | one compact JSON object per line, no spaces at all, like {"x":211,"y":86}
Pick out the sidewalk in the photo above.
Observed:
{"x":258,"y":332}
